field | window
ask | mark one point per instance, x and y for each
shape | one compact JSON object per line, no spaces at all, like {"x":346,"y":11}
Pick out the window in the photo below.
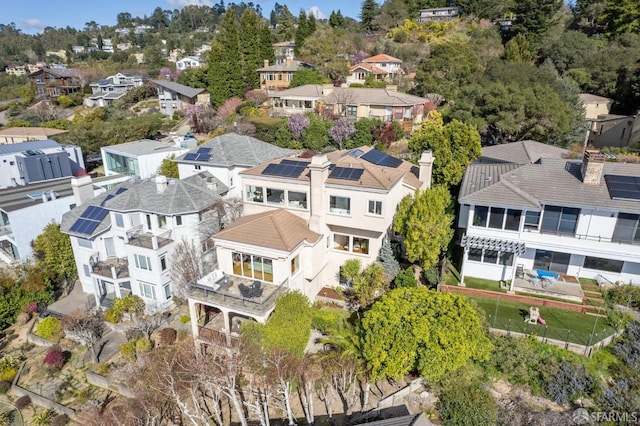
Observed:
{"x":352,"y":244}
{"x":339,"y":205}
{"x":601,"y":264}
{"x":167,"y":291}
{"x":275,"y":196}
{"x":163,"y":262}
{"x":512,"y":222}
{"x":375,"y":207}
{"x":560,"y":220}
{"x":162,"y":221}
{"x":352,"y":110}
{"x":490,"y":256}
{"x":506,"y":259}
{"x":295,"y":264}
{"x":178,"y":220}
{"x":626,"y":230}
{"x":341,"y":242}
{"x":475,"y":254}
{"x":532,"y":220}
{"x":119,"y":220}
{"x":551,"y":261}
{"x":147,"y":290}
{"x":297,"y":199}
{"x":360,"y":245}
{"x":480,"y":214}
{"x":254,"y":193}
{"x":87,"y":270}
{"x":84,"y":243}
{"x":255,"y":267}
{"x":148,"y":221}
{"x":496,"y":218}
{"x":142,"y":262}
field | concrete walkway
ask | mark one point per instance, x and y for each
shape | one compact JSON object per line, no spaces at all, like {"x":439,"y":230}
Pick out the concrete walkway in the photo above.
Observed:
{"x":76,"y":300}
{"x":107,"y":347}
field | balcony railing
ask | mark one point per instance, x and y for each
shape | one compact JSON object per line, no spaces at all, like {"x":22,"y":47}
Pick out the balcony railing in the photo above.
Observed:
{"x":114,"y":268}
{"x":148,"y":240}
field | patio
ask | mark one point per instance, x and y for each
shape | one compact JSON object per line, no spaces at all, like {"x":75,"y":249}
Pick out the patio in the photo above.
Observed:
{"x":113,"y":267}
{"x":565,"y":287}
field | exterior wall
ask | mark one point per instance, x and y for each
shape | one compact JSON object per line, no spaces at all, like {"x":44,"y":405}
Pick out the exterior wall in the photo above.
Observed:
{"x":47,"y":85}
{"x":290,"y":106}
{"x":17,"y":169}
{"x":148,"y":164}
{"x":171,"y":101}
{"x":595,"y":109}
{"x":229,"y":176}
{"x":615,"y":132}
{"x":280,"y":81}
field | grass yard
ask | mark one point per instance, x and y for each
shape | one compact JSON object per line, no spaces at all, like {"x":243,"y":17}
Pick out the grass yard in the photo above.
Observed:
{"x":561,"y":325}
{"x":483,"y":284}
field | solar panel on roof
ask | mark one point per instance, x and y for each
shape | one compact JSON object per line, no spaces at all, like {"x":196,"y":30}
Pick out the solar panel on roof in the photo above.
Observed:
{"x":294,"y":163}
{"x":283,"y":170}
{"x":203,"y":157}
{"x":346,"y":173}
{"x":120,"y":191}
{"x":374,"y":156}
{"x":107,"y":198}
{"x":84,"y":226}
{"x":390,"y":161}
{"x":623,"y":187}
{"x":356,"y":152}
{"x":191,"y":156}
{"x":204,"y":150}
{"x":94,"y":213}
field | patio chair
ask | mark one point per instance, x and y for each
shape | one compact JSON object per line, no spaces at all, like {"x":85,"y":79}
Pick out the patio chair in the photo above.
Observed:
{"x":245,"y":291}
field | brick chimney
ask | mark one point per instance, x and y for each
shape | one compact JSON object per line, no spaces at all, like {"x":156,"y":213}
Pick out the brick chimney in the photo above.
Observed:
{"x":426,"y":169}
{"x":592,"y":166}
{"x":319,"y":168}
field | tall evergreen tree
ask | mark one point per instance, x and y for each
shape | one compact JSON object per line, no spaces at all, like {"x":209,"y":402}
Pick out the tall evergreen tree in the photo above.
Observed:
{"x":535,"y":17}
{"x":336,"y":20}
{"x":249,"y":47}
{"x":286,"y":25}
{"x":302,"y":31}
{"x":225,"y":70}
{"x":368,"y":13}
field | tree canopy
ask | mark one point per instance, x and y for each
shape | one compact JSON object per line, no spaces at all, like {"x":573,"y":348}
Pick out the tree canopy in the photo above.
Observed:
{"x":53,"y":253}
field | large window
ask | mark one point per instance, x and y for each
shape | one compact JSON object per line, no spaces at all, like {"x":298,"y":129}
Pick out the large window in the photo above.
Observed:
{"x":490,"y":256}
{"x":254,"y":193}
{"x":497,"y":218}
{"x":512,"y":221}
{"x":480,"y":215}
{"x":553,"y":261}
{"x":297,"y":200}
{"x":148,"y":290}
{"x":626,"y":230}
{"x":83,"y":242}
{"x":559,"y":220}
{"x":251,"y":266}
{"x":601,"y":264}
{"x":142,"y":262}
{"x":119,"y":220}
{"x":275,"y":196}
{"x":339,"y":205}
{"x":532,"y":220}
{"x":375,"y":207}
{"x":162,"y":221}
{"x":350,"y":243}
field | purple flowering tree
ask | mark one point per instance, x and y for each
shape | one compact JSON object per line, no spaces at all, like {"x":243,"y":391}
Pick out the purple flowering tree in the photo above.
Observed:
{"x":297,"y":124}
{"x":341,"y":131}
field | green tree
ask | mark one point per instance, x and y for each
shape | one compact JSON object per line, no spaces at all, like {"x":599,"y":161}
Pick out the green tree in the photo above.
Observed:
{"x":54,"y":255}
{"x":405,"y":278}
{"x":251,"y":52}
{"x":370,"y":284}
{"x":454,"y":146}
{"x":285,"y":29}
{"x":316,"y":136}
{"x":535,"y":17}
{"x":336,"y":20}
{"x":368,"y":12}
{"x":425,"y":222}
{"x":169,"y":167}
{"x":622,"y":16}
{"x":421,"y":331}
{"x":485,"y":9}
{"x":289,"y":327}
{"x":388,"y":260}
{"x":225,"y":62}
{"x":518,"y":50}
{"x":306,"y":76}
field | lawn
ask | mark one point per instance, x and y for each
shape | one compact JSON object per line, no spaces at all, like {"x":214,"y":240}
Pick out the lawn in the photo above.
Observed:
{"x":561,"y":325}
{"x":483,"y":284}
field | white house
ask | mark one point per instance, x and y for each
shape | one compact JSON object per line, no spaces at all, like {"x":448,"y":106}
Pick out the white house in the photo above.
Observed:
{"x":303,"y":218}
{"x":384,"y":68}
{"x":524,"y":207}
{"x":34,"y":161}
{"x":188,"y":62}
{"x":227,"y":155}
{"x":114,"y":87}
{"x":123,"y":240}
{"x":140,"y":158}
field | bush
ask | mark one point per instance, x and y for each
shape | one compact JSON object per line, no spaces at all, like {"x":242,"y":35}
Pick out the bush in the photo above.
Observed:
{"x":8,"y":374}
{"x":6,"y":418}
{"x":22,"y":402}
{"x":168,"y":336}
{"x":103,"y":369}
{"x":185,"y":319}
{"x":30,"y":308}
{"x":111,"y":316}
{"x":55,"y":359}
{"x":405,"y":278}
{"x":143,"y":346}
{"x":128,"y":351}
{"x":4,"y":386}
{"x":569,"y":384}
{"x":130,"y":304}
{"x":626,"y":295}
{"x":59,"y":420}
{"x":325,"y":320}
{"x":467,"y":405}
{"x":42,"y":419}
{"x":50,"y":328}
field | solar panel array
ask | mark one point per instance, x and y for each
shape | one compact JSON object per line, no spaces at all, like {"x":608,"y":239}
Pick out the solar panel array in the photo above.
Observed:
{"x":191,"y":156}
{"x":120,"y":190}
{"x":625,"y":188}
{"x":89,"y":220}
{"x":347,"y":173}
{"x":204,"y":150}
{"x":295,"y":163}
{"x":107,"y":198}
{"x":283,"y":170}
{"x":381,"y":159}
{"x":356,"y":152}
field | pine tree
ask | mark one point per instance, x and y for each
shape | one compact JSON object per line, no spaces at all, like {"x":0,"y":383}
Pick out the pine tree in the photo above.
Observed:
{"x":249,"y":47}
{"x":225,"y":70}
{"x":302,"y":31}
{"x":336,"y":20}
{"x":367,"y":14}
{"x":388,"y":260}
{"x":286,"y":27}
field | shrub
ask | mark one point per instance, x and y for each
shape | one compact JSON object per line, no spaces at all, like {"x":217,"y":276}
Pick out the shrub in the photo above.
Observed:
{"x":467,"y":405}
{"x":30,"y":308}
{"x":569,"y":383}
{"x":405,"y":278}
{"x":626,"y":295}
{"x":50,"y":328}
{"x":4,"y":386}
{"x":103,"y":369}
{"x":111,"y":316}
{"x":8,"y":374}
{"x":22,"y":402}
{"x":325,"y":320}
{"x":55,"y":359}
{"x":168,"y":336}
{"x":42,"y":419}
{"x":131,"y":304}
{"x":128,"y":351}
{"x":143,"y":345}
{"x":185,"y":319}
{"x":6,"y":418}
{"x":59,"y":420}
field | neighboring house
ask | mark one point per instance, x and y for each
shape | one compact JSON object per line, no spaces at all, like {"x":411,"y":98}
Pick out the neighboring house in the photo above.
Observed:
{"x":16,"y":70}
{"x":283,"y":51}
{"x":26,"y":210}
{"x":27,"y":134}
{"x":303,"y":218}
{"x":439,"y":14}
{"x":188,"y":62}
{"x":225,"y":156}
{"x":53,"y":82}
{"x":29,"y":162}
{"x":140,"y":158}
{"x":352,"y":103}
{"x":524,"y":207}
{"x":106,"y":91}
{"x":278,"y":77}
{"x":177,"y":97}
{"x":611,"y":130}
{"x":124,"y":239}
{"x":383,"y":67}
{"x":595,"y":106}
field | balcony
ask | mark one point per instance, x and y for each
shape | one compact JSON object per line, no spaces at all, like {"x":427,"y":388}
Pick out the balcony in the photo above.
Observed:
{"x":238,"y":293}
{"x":113,"y":268}
{"x":147,"y":239}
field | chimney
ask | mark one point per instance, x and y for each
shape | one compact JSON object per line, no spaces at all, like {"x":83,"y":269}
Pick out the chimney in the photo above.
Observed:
{"x":44,"y":196}
{"x":592,"y":166}
{"x":392,"y":87}
{"x":426,"y":169}
{"x":82,"y":188}
{"x":161,"y":183}
{"x":288,"y":61}
{"x":327,"y":89}
{"x":212,"y":184}
{"x":266,"y":63}
{"x":319,"y":173}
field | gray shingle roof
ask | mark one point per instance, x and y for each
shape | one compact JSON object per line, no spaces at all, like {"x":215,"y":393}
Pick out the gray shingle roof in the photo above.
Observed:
{"x":521,"y":152}
{"x":19,"y":147}
{"x":143,"y":146}
{"x":233,"y":149}
{"x":187,"y":91}
{"x":16,"y":198}
{"x":366,"y":96}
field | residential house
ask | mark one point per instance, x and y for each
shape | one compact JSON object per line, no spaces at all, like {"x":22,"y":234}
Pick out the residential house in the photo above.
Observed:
{"x":188,"y":62}
{"x":612,"y":130}
{"x":27,"y":134}
{"x":383,"y":67}
{"x":141,"y":158}
{"x":284,"y":50}
{"x":525,"y":209}
{"x":16,"y":70}
{"x":227,"y":155}
{"x":124,"y":239}
{"x":112,"y":88}
{"x":78,"y":49}
{"x":595,"y":106}
{"x":303,"y":218}
{"x":28,"y":162}
{"x":53,"y":82}
{"x":278,"y":77}
{"x":177,"y":97}
{"x":26,"y":210}
{"x":438,"y":14}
